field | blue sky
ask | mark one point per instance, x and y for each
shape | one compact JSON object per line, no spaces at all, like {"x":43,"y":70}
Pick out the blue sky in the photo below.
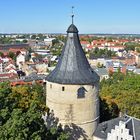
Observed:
{"x":53,"y":16}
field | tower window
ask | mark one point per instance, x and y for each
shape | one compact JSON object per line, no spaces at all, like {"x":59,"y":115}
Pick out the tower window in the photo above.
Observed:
{"x":63,"y":88}
{"x":81,"y":92}
{"x":50,"y":85}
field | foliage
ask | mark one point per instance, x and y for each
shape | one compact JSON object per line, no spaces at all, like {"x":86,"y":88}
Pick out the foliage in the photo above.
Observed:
{"x":138,"y":50}
{"x":89,"y":38}
{"x":1,"y":54}
{"x":11,"y":55}
{"x":124,"y":91}
{"x":131,"y":46}
{"x":6,"y":40}
{"x":55,"y":41}
{"x":95,"y":53}
{"x":108,"y":109}
{"x":41,"y":36}
{"x":61,"y":38}
{"x":33,"y":37}
{"x":21,"y":111}
{"x":24,"y":41}
{"x":99,"y":65}
{"x":56,"y":50}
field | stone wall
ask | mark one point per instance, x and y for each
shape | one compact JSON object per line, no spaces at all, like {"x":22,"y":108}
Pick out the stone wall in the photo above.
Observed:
{"x":76,"y":106}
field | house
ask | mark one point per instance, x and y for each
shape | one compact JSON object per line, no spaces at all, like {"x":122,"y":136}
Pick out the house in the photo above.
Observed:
{"x":48,"y":41}
{"x":102,"y":72}
{"x":115,"y":48}
{"x":130,"y":67}
{"x":1,"y":66}
{"x":101,"y":61}
{"x":5,"y":59}
{"x":121,"y":128}
{"x":41,"y":68}
{"x":8,"y":76}
{"x":29,"y":80}
{"x":10,"y":66}
{"x":20,"y":60}
{"x":121,"y":53}
{"x":12,"y":71}
{"x":115,"y":66}
{"x":130,"y":60}
{"x":85,"y":44}
{"x":137,"y":71}
{"x":138,"y":60}
{"x":43,"y":52}
{"x":18,"y":50}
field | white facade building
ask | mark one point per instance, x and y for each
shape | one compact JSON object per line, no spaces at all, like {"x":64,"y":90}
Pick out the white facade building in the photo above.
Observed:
{"x":20,"y":60}
{"x":121,"y":128}
{"x":1,"y":66}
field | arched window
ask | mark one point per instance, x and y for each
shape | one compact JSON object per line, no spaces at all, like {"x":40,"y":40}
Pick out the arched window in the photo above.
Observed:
{"x":81,"y":92}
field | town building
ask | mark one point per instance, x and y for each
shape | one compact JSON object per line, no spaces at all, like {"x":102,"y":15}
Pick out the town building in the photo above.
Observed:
{"x":121,"y":128}
{"x":102,"y":72}
{"x":1,"y":65}
{"x":48,"y":41}
{"x":115,"y":66}
{"x":20,"y":60}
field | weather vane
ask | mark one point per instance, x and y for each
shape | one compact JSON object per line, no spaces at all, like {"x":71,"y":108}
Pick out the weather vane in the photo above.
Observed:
{"x":72,"y":14}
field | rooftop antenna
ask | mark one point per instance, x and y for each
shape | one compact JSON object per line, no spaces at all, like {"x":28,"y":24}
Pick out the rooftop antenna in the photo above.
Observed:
{"x":72,"y":13}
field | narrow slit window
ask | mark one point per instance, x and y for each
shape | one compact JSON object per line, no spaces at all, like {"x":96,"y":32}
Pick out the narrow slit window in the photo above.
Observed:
{"x":63,"y":88}
{"x":50,"y":85}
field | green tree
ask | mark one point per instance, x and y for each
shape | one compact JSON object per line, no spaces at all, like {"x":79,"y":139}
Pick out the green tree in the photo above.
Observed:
{"x":6,"y":40}
{"x":138,"y":50}
{"x":124,"y":91}
{"x":24,"y":41}
{"x":33,"y":37}
{"x":54,"y":42}
{"x":41,"y":36}
{"x":21,"y":111}
{"x":1,"y":54}
{"x":11,"y":55}
{"x":131,"y":46}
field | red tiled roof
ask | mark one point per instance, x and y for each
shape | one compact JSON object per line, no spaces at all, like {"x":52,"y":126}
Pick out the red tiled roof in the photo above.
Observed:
{"x":84,"y":42}
{"x":9,"y":75}
{"x":1,"y":61}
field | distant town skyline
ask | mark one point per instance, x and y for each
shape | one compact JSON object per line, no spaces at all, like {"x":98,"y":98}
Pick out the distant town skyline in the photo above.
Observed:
{"x":53,"y":16}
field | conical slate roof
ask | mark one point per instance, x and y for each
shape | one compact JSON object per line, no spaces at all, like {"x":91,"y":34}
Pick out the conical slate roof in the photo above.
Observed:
{"x":73,"y":67}
{"x":72,"y":29}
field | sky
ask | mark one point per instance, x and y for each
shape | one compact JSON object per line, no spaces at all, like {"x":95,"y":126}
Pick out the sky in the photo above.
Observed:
{"x":54,"y":16}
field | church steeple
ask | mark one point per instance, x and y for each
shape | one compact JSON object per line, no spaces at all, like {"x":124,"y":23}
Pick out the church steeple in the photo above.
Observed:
{"x":73,"y":67}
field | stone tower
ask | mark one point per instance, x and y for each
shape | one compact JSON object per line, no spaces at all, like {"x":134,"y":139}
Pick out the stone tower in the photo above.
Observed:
{"x":72,"y":89}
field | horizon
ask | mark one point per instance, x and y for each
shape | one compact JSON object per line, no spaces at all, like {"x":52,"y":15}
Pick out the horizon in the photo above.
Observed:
{"x":91,"y":17}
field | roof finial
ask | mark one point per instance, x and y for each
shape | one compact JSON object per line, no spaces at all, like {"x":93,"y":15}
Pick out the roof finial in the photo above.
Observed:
{"x":72,"y":14}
